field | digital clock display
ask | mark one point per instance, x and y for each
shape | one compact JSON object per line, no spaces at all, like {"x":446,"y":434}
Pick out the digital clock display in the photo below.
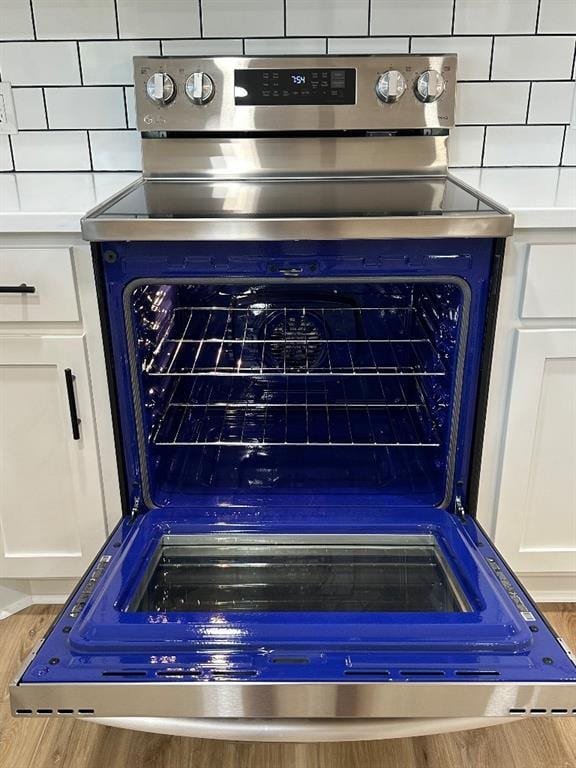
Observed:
{"x":286,"y":86}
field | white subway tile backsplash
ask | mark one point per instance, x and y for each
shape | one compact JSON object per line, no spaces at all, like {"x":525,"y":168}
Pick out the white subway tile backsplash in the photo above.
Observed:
{"x":281,"y":46}
{"x":532,"y":58}
{"x":51,"y":151}
{"x":115,"y":150}
{"x":85,"y":107}
{"x":473,"y":53}
{"x":39,"y":63}
{"x":150,"y":18}
{"x":509,"y":72}
{"x":509,"y":145}
{"x":551,"y":102}
{"x":326,"y":17}
{"x":227,"y":47}
{"x":465,"y":146}
{"x":557,"y":16}
{"x":249,"y":18}
{"x":495,"y":17}
{"x":346,"y":45}
{"x":5,"y":154}
{"x":16,"y":20}
{"x":130,"y":107}
{"x":74,"y":19}
{"x":569,"y":153}
{"x":29,"y":105}
{"x":110,"y":63}
{"x":489,"y":103}
{"x":411,"y":17}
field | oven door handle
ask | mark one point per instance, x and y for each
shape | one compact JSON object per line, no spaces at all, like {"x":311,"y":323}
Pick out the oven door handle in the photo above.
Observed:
{"x":74,"y":420}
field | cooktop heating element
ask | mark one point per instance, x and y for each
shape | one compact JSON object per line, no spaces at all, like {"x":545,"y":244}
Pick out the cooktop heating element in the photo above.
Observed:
{"x":298,"y":305}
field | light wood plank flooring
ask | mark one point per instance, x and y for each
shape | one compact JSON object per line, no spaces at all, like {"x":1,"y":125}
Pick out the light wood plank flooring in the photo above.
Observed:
{"x":40,"y":743}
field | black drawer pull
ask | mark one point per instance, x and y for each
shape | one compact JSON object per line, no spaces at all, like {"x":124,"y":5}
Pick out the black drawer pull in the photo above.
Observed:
{"x":74,"y":420}
{"x":22,"y":288}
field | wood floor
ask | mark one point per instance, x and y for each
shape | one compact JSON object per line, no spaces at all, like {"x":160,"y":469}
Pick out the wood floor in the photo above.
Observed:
{"x":47,"y":743}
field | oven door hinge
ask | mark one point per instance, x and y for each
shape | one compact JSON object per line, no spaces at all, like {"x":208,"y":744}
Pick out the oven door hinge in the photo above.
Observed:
{"x":459,"y":508}
{"x":135,"y":511}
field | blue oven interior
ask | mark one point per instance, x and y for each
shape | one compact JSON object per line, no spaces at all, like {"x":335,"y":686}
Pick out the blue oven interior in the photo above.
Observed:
{"x":320,"y":387}
{"x":295,"y":422}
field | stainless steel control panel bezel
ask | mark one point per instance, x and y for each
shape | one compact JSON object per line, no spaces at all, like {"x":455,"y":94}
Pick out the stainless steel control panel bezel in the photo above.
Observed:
{"x":221,"y":113}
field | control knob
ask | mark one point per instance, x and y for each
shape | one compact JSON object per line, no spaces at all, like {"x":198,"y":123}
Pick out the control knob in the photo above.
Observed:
{"x":161,"y":88}
{"x":430,"y":86}
{"x":200,"y":88}
{"x":390,"y":86}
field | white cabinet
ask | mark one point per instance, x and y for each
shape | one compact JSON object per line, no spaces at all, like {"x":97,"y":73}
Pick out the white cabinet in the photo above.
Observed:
{"x":536,"y":521}
{"x":48,"y":272}
{"x":51,"y":508}
{"x":527,"y":495}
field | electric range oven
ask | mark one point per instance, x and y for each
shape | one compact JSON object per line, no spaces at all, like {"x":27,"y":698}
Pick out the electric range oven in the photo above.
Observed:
{"x":298,"y":306}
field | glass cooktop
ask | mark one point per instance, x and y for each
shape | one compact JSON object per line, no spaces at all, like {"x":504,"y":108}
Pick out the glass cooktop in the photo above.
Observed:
{"x":289,"y":199}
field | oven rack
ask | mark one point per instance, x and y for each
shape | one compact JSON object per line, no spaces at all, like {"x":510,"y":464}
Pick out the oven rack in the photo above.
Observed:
{"x":296,"y":341}
{"x":372,"y":424}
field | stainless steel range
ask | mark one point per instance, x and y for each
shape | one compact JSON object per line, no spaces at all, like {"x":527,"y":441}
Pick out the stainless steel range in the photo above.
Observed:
{"x":298,"y":306}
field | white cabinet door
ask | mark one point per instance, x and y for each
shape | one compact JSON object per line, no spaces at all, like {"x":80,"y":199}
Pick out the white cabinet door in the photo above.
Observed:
{"x":536,"y":523}
{"x":51,"y":510}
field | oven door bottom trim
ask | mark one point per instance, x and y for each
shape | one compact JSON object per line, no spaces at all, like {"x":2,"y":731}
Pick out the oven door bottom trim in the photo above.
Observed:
{"x":295,"y":699}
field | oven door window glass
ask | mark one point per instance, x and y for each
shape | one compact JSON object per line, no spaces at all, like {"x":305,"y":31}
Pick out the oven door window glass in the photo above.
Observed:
{"x":400,"y":577}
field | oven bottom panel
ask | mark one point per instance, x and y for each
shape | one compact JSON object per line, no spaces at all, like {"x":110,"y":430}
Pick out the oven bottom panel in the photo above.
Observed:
{"x":437,"y":627}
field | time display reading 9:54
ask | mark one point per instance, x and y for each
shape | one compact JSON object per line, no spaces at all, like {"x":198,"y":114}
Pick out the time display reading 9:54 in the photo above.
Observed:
{"x":298,"y":79}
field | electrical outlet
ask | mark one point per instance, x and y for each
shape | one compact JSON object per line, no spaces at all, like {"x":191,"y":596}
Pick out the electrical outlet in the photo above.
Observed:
{"x":8,"y":122}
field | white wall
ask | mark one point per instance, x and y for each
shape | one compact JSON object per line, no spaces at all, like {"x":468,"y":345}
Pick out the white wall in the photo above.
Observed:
{"x":70,"y":64}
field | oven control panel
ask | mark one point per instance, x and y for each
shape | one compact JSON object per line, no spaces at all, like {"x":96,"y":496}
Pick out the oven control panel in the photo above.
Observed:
{"x":294,"y":86}
{"x":230,"y":94}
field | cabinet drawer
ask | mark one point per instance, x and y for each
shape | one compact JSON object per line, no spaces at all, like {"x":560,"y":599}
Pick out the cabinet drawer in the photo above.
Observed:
{"x":49,"y":272}
{"x":550,"y":288}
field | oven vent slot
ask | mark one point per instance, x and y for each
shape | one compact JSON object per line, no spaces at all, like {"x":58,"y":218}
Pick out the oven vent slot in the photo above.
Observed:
{"x":46,"y":711}
{"x":177,"y":673}
{"x":290,"y":660}
{"x":540,"y":711}
{"x":367,"y":672}
{"x":477,"y":673}
{"x":124,"y":673}
{"x":233,"y":672}
{"x":422,"y":672}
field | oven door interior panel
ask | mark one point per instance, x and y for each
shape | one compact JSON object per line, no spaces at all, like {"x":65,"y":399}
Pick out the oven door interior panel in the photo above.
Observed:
{"x":432,"y":623}
{"x":295,"y":425}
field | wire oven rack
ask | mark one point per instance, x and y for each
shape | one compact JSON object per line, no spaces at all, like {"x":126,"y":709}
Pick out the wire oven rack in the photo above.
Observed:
{"x":303,"y":341}
{"x":277,"y":413}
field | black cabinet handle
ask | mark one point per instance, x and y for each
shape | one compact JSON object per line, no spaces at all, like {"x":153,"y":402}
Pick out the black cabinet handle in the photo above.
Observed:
{"x":22,"y":288}
{"x":74,"y":420}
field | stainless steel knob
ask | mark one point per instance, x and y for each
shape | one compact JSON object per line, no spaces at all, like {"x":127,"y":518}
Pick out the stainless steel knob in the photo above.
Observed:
{"x":200,"y":88}
{"x":390,"y":86}
{"x":161,"y":89}
{"x":430,"y":86}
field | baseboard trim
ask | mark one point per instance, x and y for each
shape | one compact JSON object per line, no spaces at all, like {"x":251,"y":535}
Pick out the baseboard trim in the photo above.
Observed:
{"x":550,"y":587}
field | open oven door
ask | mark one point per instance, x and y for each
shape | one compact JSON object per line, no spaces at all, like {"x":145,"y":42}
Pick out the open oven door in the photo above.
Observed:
{"x":299,"y":458}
